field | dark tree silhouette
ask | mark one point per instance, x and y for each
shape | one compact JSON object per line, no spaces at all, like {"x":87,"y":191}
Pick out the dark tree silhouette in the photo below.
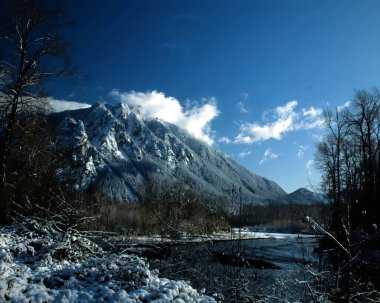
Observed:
{"x":348,"y":158}
{"x":32,"y":51}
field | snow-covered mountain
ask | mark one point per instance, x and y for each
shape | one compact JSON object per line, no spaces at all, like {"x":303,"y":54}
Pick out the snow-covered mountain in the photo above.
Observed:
{"x":116,"y":150}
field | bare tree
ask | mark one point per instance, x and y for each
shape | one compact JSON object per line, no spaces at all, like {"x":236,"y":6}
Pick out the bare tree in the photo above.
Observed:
{"x":348,"y":158}
{"x":32,"y":50}
{"x":364,"y":123}
{"x":330,"y":160}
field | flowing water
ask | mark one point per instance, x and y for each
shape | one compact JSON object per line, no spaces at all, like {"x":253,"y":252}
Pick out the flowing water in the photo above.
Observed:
{"x":196,"y":262}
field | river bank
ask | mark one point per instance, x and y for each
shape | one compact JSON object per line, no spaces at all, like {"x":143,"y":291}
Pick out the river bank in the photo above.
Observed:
{"x":287,"y":256}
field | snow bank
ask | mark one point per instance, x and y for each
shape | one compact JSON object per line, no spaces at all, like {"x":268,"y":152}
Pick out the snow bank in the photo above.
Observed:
{"x":247,"y":233}
{"x":40,"y":265}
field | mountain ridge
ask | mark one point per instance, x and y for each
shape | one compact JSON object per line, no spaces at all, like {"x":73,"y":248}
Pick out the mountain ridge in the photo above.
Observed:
{"x":300,"y":196}
{"x":114,"y":148}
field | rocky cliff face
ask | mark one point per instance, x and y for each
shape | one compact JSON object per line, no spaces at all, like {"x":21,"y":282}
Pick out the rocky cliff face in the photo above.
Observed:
{"x":116,"y":150}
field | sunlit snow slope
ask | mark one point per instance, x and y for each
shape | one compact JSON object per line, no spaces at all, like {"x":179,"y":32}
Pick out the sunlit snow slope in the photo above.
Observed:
{"x":116,"y":150}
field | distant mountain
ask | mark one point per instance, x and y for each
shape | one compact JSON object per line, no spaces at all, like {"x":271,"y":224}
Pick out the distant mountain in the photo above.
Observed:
{"x":116,"y":150}
{"x":300,"y":196}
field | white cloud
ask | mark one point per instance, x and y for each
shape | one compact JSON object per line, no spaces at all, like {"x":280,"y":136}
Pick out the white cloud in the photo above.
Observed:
{"x":301,"y":151}
{"x":311,"y":118}
{"x":225,"y":140}
{"x":241,"y":104}
{"x":311,"y":112}
{"x":241,"y":107}
{"x":310,"y":166}
{"x":62,"y":105}
{"x":345,"y":105}
{"x":245,"y":153}
{"x":286,"y":119}
{"x":268,"y":155}
{"x":195,"y":120}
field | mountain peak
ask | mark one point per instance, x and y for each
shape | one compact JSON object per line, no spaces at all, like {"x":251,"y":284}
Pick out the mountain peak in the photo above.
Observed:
{"x":122,"y":110}
{"x":303,"y":196}
{"x":302,"y":190}
{"x":125,"y":149}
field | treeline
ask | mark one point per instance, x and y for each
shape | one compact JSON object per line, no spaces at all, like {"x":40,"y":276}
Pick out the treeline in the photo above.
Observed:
{"x":278,"y":217}
{"x":349,"y":160}
{"x":171,"y":210}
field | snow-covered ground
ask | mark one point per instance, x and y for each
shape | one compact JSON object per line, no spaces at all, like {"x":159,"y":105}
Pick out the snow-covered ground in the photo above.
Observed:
{"x":233,"y":234}
{"x":39,"y":264}
{"x":248,"y":233}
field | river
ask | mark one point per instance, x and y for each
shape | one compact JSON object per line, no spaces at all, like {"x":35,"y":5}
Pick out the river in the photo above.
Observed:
{"x":196,"y":262}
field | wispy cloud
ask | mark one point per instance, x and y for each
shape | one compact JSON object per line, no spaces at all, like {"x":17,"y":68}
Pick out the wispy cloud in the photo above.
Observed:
{"x":241,"y":103}
{"x":301,"y":151}
{"x":196,"y":120}
{"x":241,"y":107}
{"x":286,"y":119}
{"x":245,"y":153}
{"x":268,"y":155}
{"x":317,"y":137}
{"x":225,"y":140}
{"x":343,"y":106}
{"x":62,"y":105}
{"x":310,"y":166}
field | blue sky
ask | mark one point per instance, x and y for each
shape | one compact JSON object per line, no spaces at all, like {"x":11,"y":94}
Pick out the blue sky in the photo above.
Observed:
{"x":250,"y":77}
